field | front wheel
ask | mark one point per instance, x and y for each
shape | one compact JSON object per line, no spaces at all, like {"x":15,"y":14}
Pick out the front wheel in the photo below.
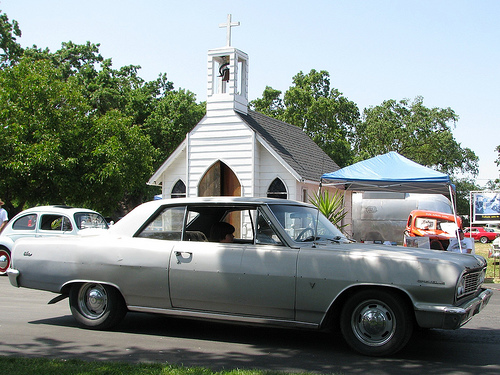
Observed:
{"x":376,"y":323}
{"x":4,"y":260}
{"x":96,"y":306}
{"x":483,"y":239}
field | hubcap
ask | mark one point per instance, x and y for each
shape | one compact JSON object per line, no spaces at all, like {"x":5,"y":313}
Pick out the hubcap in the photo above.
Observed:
{"x":93,"y":300}
{"x":373,"y":323}
{"x":4,"y":261}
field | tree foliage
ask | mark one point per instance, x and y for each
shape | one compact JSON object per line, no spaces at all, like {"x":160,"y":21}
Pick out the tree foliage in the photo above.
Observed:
{"x":77,"y":131}
{"x":463,"y":187}
{"x":43,"y":118}
{"x":321,"y":111}
{"x":11,"y":51}
{"x":422,"y":134}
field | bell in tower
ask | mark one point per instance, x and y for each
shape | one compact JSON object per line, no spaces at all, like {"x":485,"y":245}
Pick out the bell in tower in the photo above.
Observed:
{"x":227,"y":77}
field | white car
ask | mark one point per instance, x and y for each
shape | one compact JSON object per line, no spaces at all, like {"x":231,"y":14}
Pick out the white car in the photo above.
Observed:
{"x":46,"y":221}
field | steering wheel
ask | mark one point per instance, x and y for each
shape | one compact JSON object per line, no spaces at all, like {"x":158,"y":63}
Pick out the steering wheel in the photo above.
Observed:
{"x":302,"y":237}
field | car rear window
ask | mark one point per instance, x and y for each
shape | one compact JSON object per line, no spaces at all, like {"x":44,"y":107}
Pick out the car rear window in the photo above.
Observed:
{"x":26,"y":222}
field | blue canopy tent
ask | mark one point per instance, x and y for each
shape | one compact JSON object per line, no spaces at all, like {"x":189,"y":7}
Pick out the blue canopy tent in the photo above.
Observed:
{"x":390,"y":172}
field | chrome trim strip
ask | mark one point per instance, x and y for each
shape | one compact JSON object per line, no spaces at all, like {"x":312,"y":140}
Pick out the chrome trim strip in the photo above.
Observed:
{"x":225,"y":317}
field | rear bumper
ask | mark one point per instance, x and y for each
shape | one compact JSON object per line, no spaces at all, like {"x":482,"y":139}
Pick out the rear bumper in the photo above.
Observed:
{"x":452,"y":317}
{"x":13,"y":275}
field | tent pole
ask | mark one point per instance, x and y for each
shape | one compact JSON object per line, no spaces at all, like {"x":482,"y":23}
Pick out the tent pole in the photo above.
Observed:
{"x":453,"y":207}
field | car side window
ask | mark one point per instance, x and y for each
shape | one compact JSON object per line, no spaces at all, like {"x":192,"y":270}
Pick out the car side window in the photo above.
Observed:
{"x":55,"y":223}
{"x":27,"y":222}
{"x":166,"y":225}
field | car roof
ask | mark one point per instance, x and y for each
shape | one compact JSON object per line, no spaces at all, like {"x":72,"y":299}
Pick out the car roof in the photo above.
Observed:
{"x":144,"y":211}
{"x":433,"y":214}
{"x":55,"y":209}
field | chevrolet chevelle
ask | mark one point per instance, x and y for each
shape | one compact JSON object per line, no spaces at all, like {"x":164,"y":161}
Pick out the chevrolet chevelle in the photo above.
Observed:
{"x":286,"y":266}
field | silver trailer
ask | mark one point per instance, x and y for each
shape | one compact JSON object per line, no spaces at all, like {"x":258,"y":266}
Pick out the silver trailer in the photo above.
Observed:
{"x":381,"y":217}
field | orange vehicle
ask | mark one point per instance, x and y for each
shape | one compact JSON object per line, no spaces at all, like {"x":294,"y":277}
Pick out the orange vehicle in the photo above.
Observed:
{"x":438,"y":226}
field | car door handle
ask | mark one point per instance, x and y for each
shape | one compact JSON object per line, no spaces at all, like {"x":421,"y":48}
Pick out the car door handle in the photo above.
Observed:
{"x":183,"y":256}
{"x":179,"y":253}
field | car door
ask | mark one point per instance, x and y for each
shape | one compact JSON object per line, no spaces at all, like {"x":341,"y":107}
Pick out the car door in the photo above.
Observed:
{"x":252,"y":276}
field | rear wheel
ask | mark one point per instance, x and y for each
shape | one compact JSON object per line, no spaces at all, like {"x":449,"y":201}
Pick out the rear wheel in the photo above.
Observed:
{"x":96,"y":306}
{"x":376,"y":322}
{"x":4,"y":260}
{"x":483,"y":239}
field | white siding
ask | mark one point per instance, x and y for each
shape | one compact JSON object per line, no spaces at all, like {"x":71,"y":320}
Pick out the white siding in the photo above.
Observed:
{"x":226,"y":139}
{"x":176,"y":171}
{"x":269,"y":169}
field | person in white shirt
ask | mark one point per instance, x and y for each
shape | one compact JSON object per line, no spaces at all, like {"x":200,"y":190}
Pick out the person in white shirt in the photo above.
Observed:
{"x":466,"y":244}
{"x":4,"y":218}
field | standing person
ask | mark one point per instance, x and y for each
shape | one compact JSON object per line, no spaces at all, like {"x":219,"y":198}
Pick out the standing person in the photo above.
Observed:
{"x":4,"y":218}
{"x":466,"y":244}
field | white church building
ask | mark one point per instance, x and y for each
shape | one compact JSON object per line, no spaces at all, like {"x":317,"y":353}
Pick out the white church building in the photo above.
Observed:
{"x":234,"y":151}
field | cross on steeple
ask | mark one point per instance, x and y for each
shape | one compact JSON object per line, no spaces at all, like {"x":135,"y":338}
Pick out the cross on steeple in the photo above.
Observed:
{"x":228,"y":25}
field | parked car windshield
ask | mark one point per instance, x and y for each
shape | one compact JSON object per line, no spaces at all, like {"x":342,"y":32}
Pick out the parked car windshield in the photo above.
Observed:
{"x":301,"y":223}
{"x":86,"y":220}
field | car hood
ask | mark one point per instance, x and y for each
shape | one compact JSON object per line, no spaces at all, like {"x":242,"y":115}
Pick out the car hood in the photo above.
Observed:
{"x":469,"y":261}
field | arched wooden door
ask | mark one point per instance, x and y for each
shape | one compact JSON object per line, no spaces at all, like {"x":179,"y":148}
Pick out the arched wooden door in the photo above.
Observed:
{"x":218,"y":181}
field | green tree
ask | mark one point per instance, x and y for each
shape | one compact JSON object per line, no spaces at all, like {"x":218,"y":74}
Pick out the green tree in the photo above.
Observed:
{"x":463,"y":187}
{"x":421,"y":134}
{"x":321,"y":111}
{"x":172,"y":118}
{"x":116,"y":163}
{"x":42,"y":119}
{"x":11,"y":50}
{"x":270,"y":104}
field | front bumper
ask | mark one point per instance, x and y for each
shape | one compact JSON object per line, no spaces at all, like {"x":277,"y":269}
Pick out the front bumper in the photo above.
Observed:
{"x":452,"y":317}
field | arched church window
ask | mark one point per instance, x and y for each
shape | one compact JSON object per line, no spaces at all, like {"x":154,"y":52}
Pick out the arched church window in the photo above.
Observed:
{"x":277,"y":189}
{"x":179,"y":190}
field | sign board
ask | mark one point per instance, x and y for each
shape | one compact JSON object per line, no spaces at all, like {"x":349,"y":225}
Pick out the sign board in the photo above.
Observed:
{"x":486,"y":207}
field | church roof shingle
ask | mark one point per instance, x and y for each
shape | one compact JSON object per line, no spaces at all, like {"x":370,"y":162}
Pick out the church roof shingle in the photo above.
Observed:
{"x":292,"y":144}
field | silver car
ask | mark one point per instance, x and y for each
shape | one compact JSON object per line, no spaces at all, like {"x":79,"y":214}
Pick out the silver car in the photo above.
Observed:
{"x":282,"y":264}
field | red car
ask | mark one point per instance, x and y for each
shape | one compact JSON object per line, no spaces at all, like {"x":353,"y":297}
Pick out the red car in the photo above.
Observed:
{"x":480,"y":234}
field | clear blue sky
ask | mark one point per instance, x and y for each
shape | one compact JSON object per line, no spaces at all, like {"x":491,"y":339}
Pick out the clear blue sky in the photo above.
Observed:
{"x":444,"y":50}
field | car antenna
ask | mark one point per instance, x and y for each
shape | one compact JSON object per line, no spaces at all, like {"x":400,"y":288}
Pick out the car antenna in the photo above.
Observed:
{"x":319,"y":195}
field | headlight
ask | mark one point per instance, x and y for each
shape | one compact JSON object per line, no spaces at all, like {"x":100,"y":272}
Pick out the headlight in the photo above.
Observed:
{"x":482,"y":277}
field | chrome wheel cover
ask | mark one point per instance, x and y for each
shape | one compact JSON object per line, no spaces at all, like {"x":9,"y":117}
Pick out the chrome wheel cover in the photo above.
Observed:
{"x":4,"y":260}
{"x":373,"y":323}
{"x":92,"y":301}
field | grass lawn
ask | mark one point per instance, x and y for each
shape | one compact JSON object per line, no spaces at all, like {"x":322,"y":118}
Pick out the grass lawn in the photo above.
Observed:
{"x":482,"y":249}
{"x":40,"y":366}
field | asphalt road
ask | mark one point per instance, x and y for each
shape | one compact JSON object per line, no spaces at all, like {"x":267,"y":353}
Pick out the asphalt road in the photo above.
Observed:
{"x":31,"y":328}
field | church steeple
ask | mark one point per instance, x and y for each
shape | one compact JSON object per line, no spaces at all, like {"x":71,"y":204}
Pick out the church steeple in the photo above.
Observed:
{"x":227,"y":87}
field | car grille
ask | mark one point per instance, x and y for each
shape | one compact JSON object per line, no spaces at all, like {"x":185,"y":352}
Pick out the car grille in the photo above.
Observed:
{"x":472,"y":282}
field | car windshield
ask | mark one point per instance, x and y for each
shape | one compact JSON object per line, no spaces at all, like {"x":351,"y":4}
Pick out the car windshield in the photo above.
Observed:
{"x":301,"y":223}
{"x":432,"y":223}
{"x":85,"y":220}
